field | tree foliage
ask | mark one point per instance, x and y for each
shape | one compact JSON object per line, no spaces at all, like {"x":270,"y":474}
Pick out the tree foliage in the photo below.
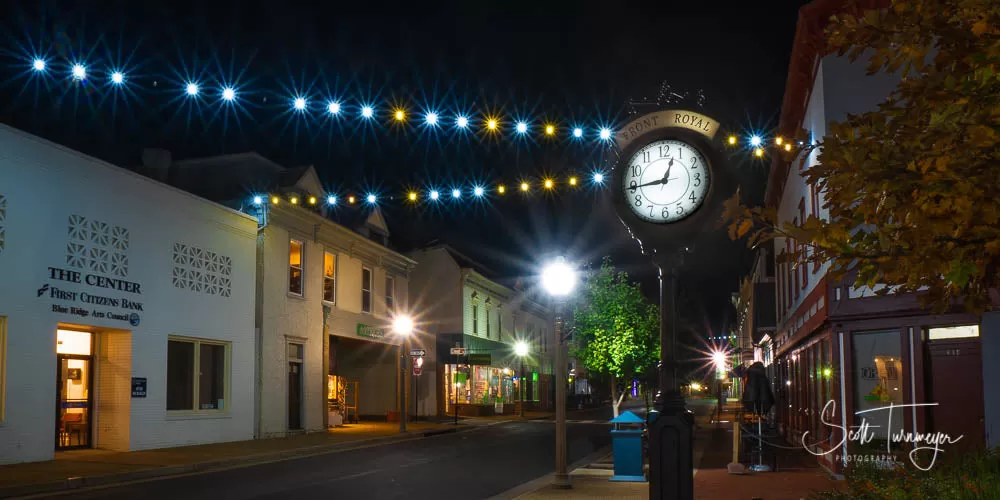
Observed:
{"x":617,"y":326}
{"x":912,"y":187}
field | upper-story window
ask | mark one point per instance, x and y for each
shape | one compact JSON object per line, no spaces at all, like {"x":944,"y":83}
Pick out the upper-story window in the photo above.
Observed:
{"x":366,"y":290}
{"x":390,"y":293}
{"x":475,"y":318}
{"x":488,"y":332}
{"x":330,"y":277}
{"x":295,"y":267}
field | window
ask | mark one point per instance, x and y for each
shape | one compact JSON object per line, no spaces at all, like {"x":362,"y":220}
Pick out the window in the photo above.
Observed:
{"x":805,"y":249}
{"x":499,"y":324}
{"x":487,"y":323}
{"x":366,"y":290}
{"x":475,"y":318}
{"x":878,"y":374}
{"x":330,"y":278}
{"x":295,"y":267}
{"x":197,"y":375}
{"x":390,"y":293}
{"x":948,"y":332}
{"x":3,"y":366}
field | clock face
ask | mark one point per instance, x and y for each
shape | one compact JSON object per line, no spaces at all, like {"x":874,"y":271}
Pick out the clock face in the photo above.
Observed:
{"x":666,"y":181}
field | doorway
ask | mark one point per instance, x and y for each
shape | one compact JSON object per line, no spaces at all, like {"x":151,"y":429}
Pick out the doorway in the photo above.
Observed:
{"x":955,"y":380}
{"x":294,"y":387}
{"x":74,"y":394}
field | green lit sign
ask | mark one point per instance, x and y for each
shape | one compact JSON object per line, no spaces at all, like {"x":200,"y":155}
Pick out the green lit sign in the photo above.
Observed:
{"x":372,"y":332}
{"x":483,"y":359}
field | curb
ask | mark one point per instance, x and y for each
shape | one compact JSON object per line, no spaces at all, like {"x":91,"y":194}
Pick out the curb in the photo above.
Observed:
{"x":541,"y":482}
{"x":105,"y":480}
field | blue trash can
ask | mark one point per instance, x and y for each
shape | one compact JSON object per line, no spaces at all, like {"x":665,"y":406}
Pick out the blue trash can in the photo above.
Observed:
{"x":627,"y":444}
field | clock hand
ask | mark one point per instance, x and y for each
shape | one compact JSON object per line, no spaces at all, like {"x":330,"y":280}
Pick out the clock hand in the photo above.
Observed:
{"x":667,"y":174}
{"x":653,"y":183}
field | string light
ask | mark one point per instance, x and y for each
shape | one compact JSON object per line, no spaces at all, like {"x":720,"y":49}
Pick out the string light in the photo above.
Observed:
{"x":435,"y":195}
{"x":522,"y":127}
{"x":351,"y":199}
{"x":312,"y":200}
{"x":788,"y":146}
{"x":79,"y":71}
{"x":550,"y":130}
{"x":412,"y":196}
{"x":778,"y":140}
{"x":333,"y":108}
{"x":400,"y":115}
{"x":599,"y":178}
{"x":38,"y":64}
{"x":229,"y":94}
{"x":759,"y":152}
{"x":257,"y":200}
{"x":294,"y":200}
{"x":572,"y":181}
{"x":191,"y":89}
{"x":478,"y":191}
{"x":578,"y":132}
{"x":501,"y":189}
{"x":367,"y":111}
{"x":331,"y":200}
{"x":432,"y":118}
{"x":299,"y":103}
{"x":117,"y":78}
{"x":275,"y":200}
{"x":548,"y":184}
{"x":456,"y":193}
{"x":605,"y":133}
{"x":491,"y":124}
{"x":371,"y":198}
{"x":462,"y":122}
{"x":755,"y":141}
{"x":732,"y":140}
{"x":524,"y":187}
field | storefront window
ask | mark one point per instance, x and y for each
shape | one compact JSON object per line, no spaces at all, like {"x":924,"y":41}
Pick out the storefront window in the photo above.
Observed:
{"x":878,"y":380}
{"x":480,"y":385}
{"x":205,"y":384}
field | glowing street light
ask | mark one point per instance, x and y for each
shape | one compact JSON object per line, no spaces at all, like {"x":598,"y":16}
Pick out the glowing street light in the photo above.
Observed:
{"x":755,"y":140}
{"x":521,"y":349}
{"x":522,"y":127}
{"x":478,"y":191}
{"x":559,"y":279}
{"x":403,"y":326}
{"x":371,"y":198}
{"x":367,"y":111}
{"x":435,"y":195}
{"x":599,"y":178}
{"x":79,"y":71}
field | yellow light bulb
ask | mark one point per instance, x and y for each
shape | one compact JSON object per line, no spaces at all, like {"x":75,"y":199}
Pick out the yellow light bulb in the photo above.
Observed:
{"x":412,"y":196}
{"x":491,"y":124}
{"x":295,"y":200}
{"x":524,"y":186}
{"x":572,"y":181}
{"x":550,"y":129}
{"x":732,"y":140}
{"x":788,"y":146}
{"x":312,"y":200}
{"x":501,"y":189}
{"x":759,"y":153}
{"x":779,"y":140}
{"x":548,"y":183}
{"x":275,"y":200}
{"x":350,"y":200}
{"x":400,"y":115}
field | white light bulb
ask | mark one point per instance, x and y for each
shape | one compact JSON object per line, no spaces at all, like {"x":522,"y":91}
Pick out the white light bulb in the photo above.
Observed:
{"x":462,"y":122}
{"x":598,"y":178}
{"x":478,"y":191}
{"x":117,"y":78}
{"x":371,"y":198}
{"x":332,"y":200}
{"x":456,"y":193}
{"x":229,"y":93}
{"x":435,"y":195}
{"x":299,"y":103}
{"x":191,"y":89}
{"x":257,"y":200}
{"x":522,"y":127}
{"x":38,"y":64}
{"x":333,"y":107}
{"x":755,"y":141}
{"x":79,"y":72}
{"x":605,"y":133}
{"x":578,"y":132}
{"x":432,"y":118}
{"x":367,"y":112}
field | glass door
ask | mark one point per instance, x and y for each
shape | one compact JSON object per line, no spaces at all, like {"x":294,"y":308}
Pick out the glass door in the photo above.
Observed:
{"x":73,"y":404}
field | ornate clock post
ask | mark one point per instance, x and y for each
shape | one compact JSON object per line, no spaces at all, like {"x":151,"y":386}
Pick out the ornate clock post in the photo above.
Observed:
{"x":669,"y":186}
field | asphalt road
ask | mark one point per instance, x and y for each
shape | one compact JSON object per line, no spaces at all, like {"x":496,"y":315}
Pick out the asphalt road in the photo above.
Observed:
{"x":470,"y":465}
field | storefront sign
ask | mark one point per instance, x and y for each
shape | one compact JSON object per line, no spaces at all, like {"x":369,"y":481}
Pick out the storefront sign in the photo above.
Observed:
{"x":485,"y":359}
{"x":98,"y":301}
{"x":138,"y":387}
{"x":372,"y":332}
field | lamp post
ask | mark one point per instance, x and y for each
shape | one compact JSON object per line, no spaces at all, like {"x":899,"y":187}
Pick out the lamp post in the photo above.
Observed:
{"x":559,"y":280}
{"x":521,"y":350}
{"x":403,"y":326}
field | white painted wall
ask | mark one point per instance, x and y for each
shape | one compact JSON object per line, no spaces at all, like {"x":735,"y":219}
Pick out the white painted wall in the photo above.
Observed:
{"x":44,"y":185}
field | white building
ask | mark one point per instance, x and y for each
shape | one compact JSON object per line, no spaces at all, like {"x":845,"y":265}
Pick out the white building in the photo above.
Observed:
{"x":461,"y":305}
{"x":327,"y":293}
{"x":126,"y":308}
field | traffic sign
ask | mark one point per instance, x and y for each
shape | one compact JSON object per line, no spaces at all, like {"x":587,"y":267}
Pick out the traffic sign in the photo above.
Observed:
{"x":458,"y":351}
{"x":418,"y":364}
{"x":416,"y":369}
{"x":418,"y":352}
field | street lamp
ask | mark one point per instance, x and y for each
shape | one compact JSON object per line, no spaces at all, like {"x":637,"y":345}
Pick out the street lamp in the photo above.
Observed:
{"x":521,"y":350}
{"x":559,"y":279}
{"x":403,"y":326}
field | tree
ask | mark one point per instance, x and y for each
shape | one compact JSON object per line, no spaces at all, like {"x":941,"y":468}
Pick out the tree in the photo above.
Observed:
{"x":912,"y":187}
{"x":617,"y":327}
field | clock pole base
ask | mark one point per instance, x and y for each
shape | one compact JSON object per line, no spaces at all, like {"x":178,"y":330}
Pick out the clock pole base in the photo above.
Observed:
{"x":671,"y":451}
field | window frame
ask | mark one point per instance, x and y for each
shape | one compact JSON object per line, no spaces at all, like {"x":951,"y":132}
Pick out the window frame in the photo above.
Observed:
{"x":3,"y":369}
{"x":301,"y":268}
{"x":371,"y":283}
{"x":333,"y":278}
{"x":475,"y":319}
{"x":488,"y":323}
{"x":227,"y":377}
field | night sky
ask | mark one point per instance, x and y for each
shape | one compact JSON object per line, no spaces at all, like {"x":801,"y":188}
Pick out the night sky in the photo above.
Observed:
{"x":573,"y":62}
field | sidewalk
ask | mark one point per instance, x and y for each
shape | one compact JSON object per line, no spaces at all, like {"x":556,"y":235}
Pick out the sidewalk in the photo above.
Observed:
{"x":798,"y":477}
{"x":85,"y":468}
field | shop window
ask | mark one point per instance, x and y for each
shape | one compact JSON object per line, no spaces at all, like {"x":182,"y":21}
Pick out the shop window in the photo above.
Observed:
{"x":295,"y":267}
{"x":878,"y":380}
{"x":330,"y":278}
{"x":197,"y":375}
{"x":953,"y":332}
{"x":3,"y":367}
{"x":390,"y":294}
{"x":475,"y":319}
{"x":366,"y":290}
